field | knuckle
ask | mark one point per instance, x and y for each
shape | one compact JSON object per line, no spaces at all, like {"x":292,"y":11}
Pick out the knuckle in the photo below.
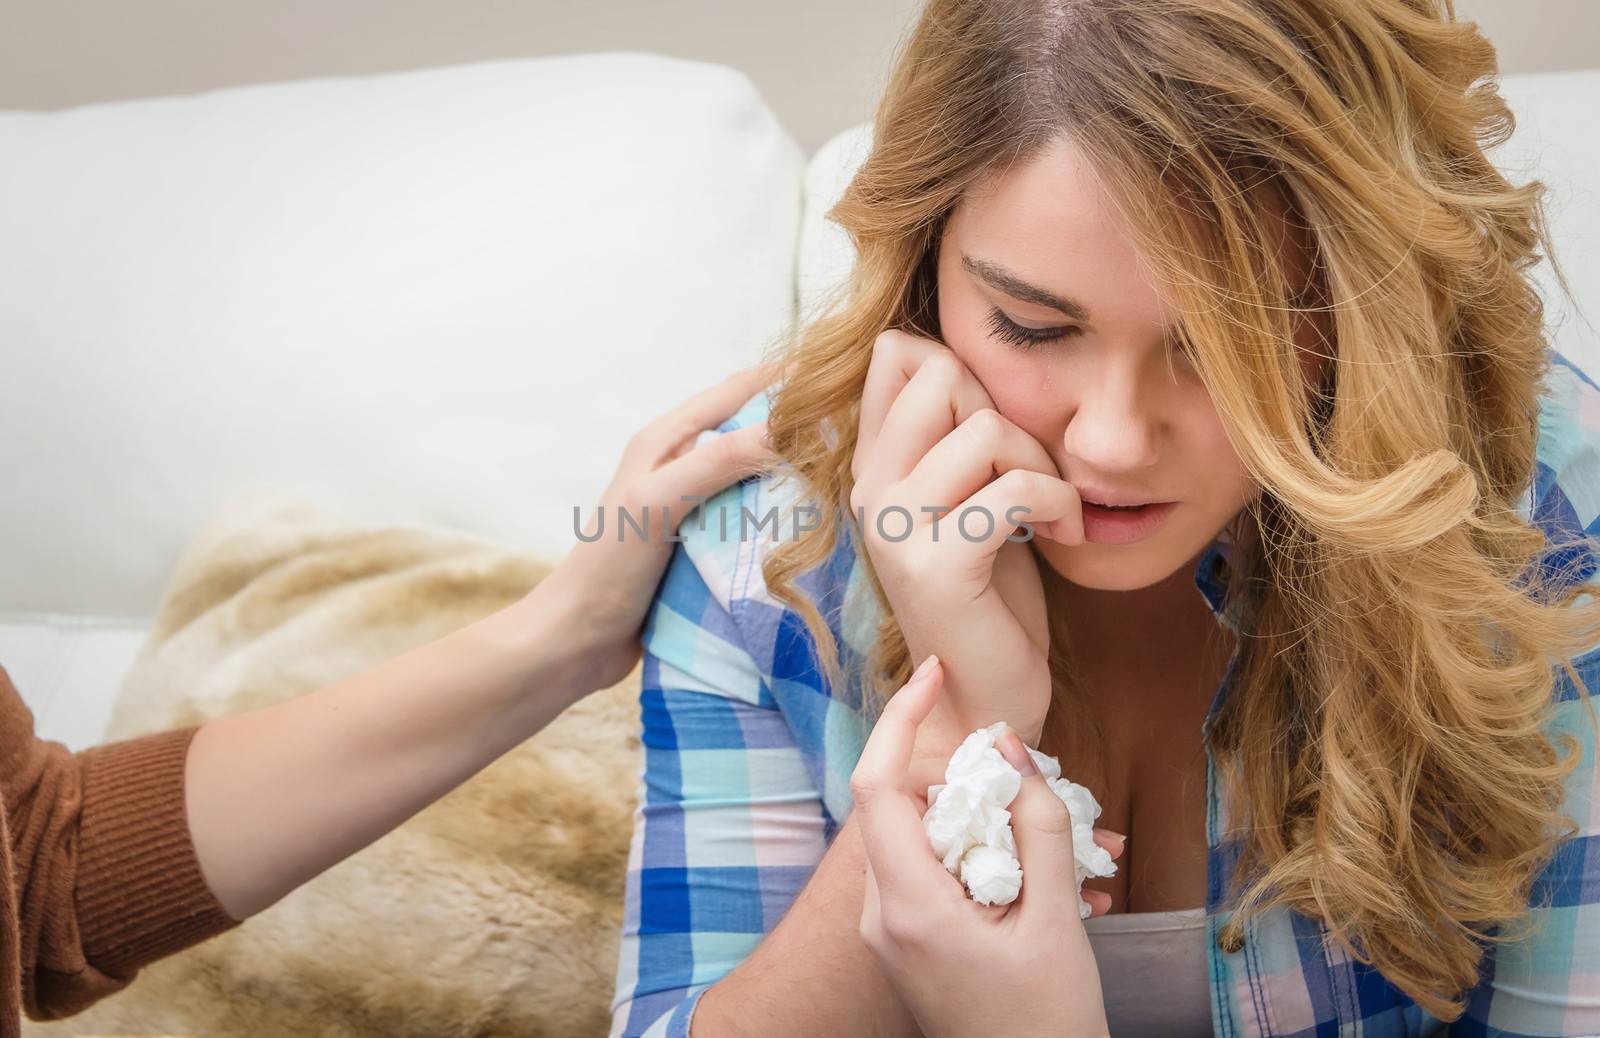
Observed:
{"x":889,"y":342}
{"x":858,"y":497}
{"x":905,"y":930}
{"x":863,"y":789}
{"x":1056,"y":819}
{"x":858,"y":462}
{"x":1020,"y":482}
{"x":1047,"y":814}
{"x":987,"y":424}
{"x":942,"y":365}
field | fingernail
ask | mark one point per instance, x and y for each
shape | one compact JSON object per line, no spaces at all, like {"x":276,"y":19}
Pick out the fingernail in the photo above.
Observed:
{"x":924,"y":669}
{"x":1016,"y":754}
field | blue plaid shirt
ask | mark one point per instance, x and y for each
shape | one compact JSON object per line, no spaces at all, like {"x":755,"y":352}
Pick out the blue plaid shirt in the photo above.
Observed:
{"x":748,"y":754}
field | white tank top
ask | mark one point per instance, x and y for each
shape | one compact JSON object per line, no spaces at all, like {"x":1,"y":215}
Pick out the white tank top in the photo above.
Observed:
{"x":1154,"y":972}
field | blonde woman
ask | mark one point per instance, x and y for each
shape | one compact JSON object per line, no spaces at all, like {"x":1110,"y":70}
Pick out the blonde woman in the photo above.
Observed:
{"x":1205,"y":326}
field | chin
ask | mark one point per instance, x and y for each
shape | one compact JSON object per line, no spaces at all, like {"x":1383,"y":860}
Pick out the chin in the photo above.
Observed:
{"x":1112,"y":567}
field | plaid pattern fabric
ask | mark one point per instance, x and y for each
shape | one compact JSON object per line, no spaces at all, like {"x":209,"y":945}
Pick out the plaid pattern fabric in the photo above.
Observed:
{"x":748,"y":755}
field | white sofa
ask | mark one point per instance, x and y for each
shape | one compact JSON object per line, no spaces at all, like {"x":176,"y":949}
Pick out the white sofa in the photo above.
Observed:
{"x":443,"y":297}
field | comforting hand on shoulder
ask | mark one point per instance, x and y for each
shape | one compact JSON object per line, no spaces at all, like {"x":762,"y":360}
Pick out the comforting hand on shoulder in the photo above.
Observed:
{"x":594,"y":603}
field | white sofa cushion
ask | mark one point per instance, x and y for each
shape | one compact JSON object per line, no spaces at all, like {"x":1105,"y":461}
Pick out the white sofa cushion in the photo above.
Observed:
{"x":826,"y":252}
{"x":1554,"y":141}
{"x":445,"y":296}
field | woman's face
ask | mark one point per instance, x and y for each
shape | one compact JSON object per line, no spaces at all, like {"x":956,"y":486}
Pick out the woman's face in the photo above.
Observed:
{"x":1042,"y":249}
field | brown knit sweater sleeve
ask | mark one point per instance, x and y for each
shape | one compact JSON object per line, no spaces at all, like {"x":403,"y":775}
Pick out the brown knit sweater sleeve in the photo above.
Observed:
{"x":103,"y":868}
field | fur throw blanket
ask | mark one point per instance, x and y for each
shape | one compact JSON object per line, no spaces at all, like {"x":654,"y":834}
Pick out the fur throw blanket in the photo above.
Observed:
{"x":496,"y":911}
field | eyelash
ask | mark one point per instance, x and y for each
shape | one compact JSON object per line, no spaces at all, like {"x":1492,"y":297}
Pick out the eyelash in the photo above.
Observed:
{"x":1022,"y":338}
{"x":1026,"y":339}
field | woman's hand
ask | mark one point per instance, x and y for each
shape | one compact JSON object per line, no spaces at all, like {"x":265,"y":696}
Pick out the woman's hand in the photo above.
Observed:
{"x":962,"y":968}
{"x":930,"y":438}
{"x":591,"y":607}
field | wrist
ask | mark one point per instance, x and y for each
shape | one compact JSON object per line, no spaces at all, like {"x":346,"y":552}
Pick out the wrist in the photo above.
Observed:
{"x":529,"y":641}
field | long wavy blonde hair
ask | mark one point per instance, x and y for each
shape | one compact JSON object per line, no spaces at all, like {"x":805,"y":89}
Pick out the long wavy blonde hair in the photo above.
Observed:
{"x":1384,"y":747}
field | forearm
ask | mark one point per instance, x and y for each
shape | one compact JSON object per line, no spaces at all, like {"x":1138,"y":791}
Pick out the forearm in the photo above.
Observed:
{"x":812,"y":974}
{"x":277,"y":795}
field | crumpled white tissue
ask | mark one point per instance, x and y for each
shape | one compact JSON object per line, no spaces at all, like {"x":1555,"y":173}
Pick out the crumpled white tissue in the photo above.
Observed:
{"x":969,"y":824}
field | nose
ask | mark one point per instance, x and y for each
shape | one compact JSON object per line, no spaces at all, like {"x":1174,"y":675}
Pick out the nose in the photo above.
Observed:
{"x":1115,"y":425}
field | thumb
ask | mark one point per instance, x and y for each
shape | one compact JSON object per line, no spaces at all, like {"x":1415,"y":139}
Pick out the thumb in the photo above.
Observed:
{"x":1043,"y":829}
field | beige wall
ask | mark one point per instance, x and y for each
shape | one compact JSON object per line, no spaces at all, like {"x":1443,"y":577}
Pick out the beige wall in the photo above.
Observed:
{"x":819,"y":63}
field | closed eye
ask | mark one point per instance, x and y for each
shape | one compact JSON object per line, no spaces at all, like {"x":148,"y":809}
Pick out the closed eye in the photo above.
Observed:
{"x":1023,"y":337}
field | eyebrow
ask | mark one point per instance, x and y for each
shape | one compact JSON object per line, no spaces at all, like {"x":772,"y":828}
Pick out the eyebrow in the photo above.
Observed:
{"x":1012,"y":285}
